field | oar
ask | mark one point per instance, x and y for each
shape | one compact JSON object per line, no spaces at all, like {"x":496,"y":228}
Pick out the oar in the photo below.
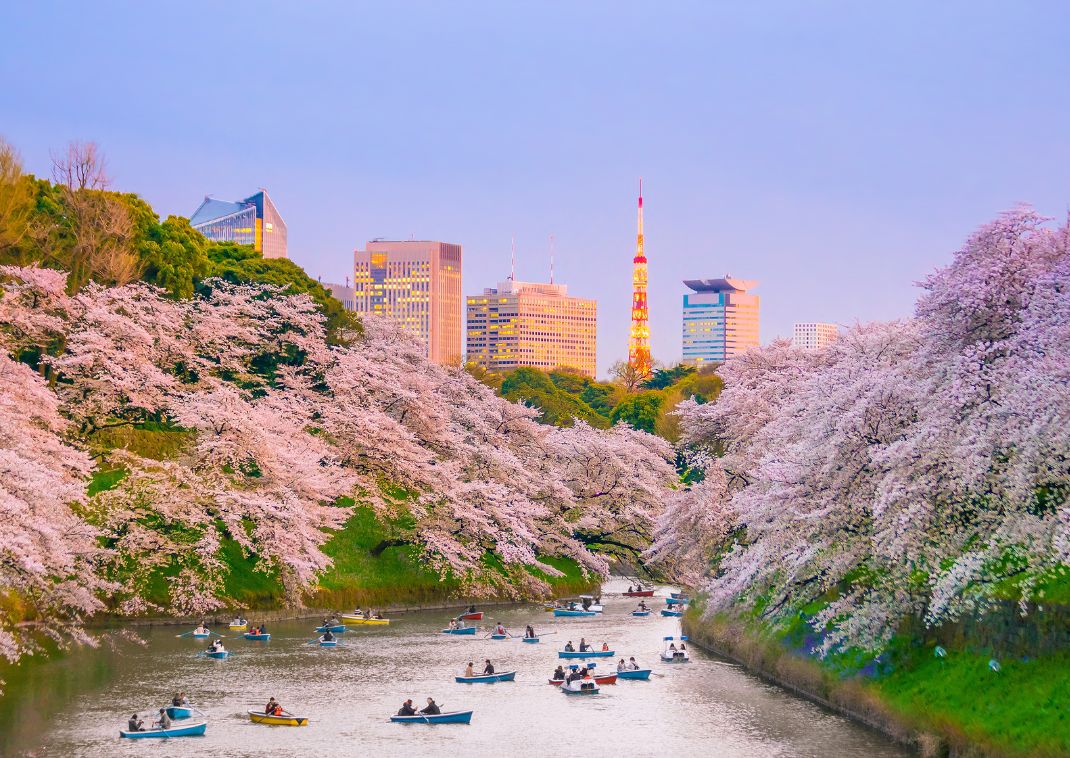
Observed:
{"x":186,"y":634}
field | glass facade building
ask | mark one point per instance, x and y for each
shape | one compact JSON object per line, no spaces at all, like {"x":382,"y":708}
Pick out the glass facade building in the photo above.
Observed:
{"x":253,"y":221}
{"x":813,"y":335}
{"x":720,"y":319}
{"x":416,"y":284}
{"x":531,"y":324}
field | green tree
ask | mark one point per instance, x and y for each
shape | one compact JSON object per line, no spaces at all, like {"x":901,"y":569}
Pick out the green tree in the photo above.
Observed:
{"x":640,"y":411}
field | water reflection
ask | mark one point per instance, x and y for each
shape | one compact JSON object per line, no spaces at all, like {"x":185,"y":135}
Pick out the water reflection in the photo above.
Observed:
{"x":75,"y":707}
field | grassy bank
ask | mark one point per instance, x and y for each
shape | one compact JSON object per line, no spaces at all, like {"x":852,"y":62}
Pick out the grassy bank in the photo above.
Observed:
{"x":953,"y":706}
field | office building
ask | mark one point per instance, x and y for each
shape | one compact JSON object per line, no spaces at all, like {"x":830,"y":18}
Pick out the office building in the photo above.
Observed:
{"x":253,"y":221}
{"x":416,"y":284}
{"x":343,"y":293}
{"x":531,"y":324}
{"x":720,"y":319}
{"x":813,"y":335}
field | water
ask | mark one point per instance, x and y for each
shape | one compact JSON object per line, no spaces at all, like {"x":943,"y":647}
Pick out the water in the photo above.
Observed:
{"x":709,"y":707}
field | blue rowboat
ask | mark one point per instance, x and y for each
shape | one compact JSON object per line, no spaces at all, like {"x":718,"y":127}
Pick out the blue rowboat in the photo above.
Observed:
{"x":251,"y":636}
{"x":640,"y":613}
{"x":179,"y":712}
{"x":634,"y":674}
{"x":218,"y":654}
{"x":186,"y":730}
{"x":505,"y":676}
{"x":201,"y":636}
{"x":328,"y":643}
{"x":674,"y":614}
{"x":677,"y":600}
{"x":566,"y":612}
{"x":499,"y":636}
{"x":336,"y":629}
{"x":587,"y":654}
{"x":462,"y":630}
{"x":531,"y":640}
{"x":452,"y":717}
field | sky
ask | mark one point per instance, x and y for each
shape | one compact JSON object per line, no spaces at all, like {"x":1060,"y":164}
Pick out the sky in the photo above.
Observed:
{"x":835,"y":151}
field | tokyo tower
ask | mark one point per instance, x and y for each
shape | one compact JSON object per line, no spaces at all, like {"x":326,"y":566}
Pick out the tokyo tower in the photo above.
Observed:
{"x":639,"y":337}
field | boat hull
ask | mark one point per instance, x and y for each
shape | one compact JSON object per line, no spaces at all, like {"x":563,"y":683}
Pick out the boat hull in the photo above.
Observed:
{"x":531,"y":640}
{"x":591,"y":690}
{"x":673,"y":614}
{"x":218,"y":655}
{"x":677,"y":601}
{"x":567,"y":613}
{"x":675,"y":658}
{"x":466,"y":630}
{"x":506,"y":676}
{"x":336,"y":629}
{"x":499,"y":636}
{"x":238,"y":627}
{"x":358,"y":621}
{"x":641,"y":593}
{"x":259,"y":637}
{"x":284,"y":720}
{"x":186,"y":730}
{"x":477,"y":616}
{"x":634,"y":674}
{"x":454,"y":717}
{"x":328,"y":643}
{"x":200,"y":636}
{"x":587,"y":654}
{"x":179,"y":712}
{"x":640,"y":613}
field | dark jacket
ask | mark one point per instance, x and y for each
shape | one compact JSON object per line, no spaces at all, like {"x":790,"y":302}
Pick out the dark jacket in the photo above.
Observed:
{"x":431,"y":710}
{"x":488,"y":669}
{"x":407,"y":710}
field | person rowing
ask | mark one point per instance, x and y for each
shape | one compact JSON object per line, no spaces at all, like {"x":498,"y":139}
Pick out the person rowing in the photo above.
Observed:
{"x":135,"y":724}
{"x":432,"y":708}
{"x":642,"y":605}
{"x":500,"y":629}
{"x":202,"y":629}
{"x":529,"y":632}
{"x":471,"y":609}
{"x":584,"y":647}
{"x":407,"y":708}
{"x":489,"y":668}
{"x":163,"y":721}
{"x":216,"y":646}
{"x":327,"y":636}
{"x":272,"y":704}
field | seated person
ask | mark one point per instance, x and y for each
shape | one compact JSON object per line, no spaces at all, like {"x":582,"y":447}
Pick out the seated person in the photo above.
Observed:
{"x":270,"y":707}
{"x":432,"y":708}
{"x":407,"y":709}
{"x":559,"y":673}
{"x":453,"y":623}
{"x":605,"y":647}
{"x":569,"y":648}
{"x":621,"y":666}
{"x":634,"y":666}
{"x":489,"y":668}
{"x":327,"y":636}
{"x":163,"y":721}
{"x":277,"y":710}
{"x":135,"y":724}
{"x":529,"y":632}
{"x":584,"y":647}
{"x":469,"y":670}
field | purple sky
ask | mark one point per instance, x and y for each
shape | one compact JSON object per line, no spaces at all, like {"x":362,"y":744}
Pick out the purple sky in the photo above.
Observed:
{"x":834,"y":151}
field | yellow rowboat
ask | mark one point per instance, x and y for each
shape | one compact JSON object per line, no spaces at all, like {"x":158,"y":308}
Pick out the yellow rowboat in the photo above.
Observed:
{"x":361,"y":620}
{"x":286,"y":719}
{"x":238,"y":627}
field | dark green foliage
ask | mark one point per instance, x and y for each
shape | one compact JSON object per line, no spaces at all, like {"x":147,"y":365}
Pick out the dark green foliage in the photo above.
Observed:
{"x":559,"y":407}
{"x":666,"y":377}
{"x":640,"y":411}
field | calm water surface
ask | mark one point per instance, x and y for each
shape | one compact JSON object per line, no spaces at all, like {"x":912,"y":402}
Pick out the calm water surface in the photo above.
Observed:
{"x":708,"y":707}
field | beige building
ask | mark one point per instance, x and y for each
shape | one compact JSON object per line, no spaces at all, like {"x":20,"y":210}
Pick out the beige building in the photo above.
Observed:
{"x":531,"y":324}
{"x":416,"y":284}
{"x":813,"y":335}
{"x":720,"y":319}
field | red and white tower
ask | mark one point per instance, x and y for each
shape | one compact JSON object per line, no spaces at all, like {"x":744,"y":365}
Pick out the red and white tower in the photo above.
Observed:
{"x":639,"y":337}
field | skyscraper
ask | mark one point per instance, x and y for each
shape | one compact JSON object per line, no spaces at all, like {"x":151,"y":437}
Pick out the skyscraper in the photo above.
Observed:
{"x":813,"y":335}
{"x":639,"y":336}
{"x":416,"y":284}
{"x":720,"y":319}
{"x":531,"y":324}
{"x":253,"y":221}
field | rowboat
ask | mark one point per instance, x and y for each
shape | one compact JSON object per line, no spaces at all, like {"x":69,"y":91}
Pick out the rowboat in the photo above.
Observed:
{"x":567,"y":612}
{"x":335,"y":629}
{"x":677,"y":600}
{"x":451,"y":717}
{"x":634,"y":674}
{"x":239,"y":627}
{"x":460,"y":630}
{"x":197,"y":636}
{"x":499,"y":636}
{"x":640,"y":613}
{"x":670,"y":612}
{"x":598,"y":679}
{"x":639,"y":593}
{"x":580,"y":687}
{"x":179,"y":712}
{"x":506,"y":676}
{"x":360,"y":620}
{"x":286,"y":719}
{"x":183,"y":730}
{"x":473,"y":616}
{"x":263,"y":637}
{"x":328,"y":643}
{"x":585,"y":654}
{"x":218,"y":654}
{"x":531,"y":640}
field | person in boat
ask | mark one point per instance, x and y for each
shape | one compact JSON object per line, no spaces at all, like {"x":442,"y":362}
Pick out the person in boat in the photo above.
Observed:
{"x":569,"y":648}
{"x":359,"y":612}
{"x":585,"y":673}
{"x":278,"y":710}
{"x":489,"y":668}
{"x":469,"y":670}
{"x":630,"y":588}
{"x":584,"y":647}
{"x":683,"y":648}
{"x":262,"y":629}
{"x":559,"y":673}
{"x":327,"y":636}
{"x":176,"y":700}
{"x":164,"y":721}
{"x":377,"y":615}
{"x":499,"y":629}
{"x":272,"y":704}
{"x":586,"y":604}
{"x":642,"y":605}
{"x":432,"y":708}
{"x":605,"y":647}
{"x":453,"y":624}
{"x":135,"y":724}
{"x":529,"y":632}
{"x":632,"y":664}
{"x":621,"y":665}
{"x":202,"y":629}
{"x":471,"y":609}
{"x":573,"y":675}
{"x":407,"y":708}
{"x":672,"y":647}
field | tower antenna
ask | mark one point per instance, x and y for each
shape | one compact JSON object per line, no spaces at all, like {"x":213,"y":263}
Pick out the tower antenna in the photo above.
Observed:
{"x":639,"y":335}
{"x":512,"y":261}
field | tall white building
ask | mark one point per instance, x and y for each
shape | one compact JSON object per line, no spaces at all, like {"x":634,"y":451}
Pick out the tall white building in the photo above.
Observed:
{"x":720,"y":319}
{"x":814,"y":335}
